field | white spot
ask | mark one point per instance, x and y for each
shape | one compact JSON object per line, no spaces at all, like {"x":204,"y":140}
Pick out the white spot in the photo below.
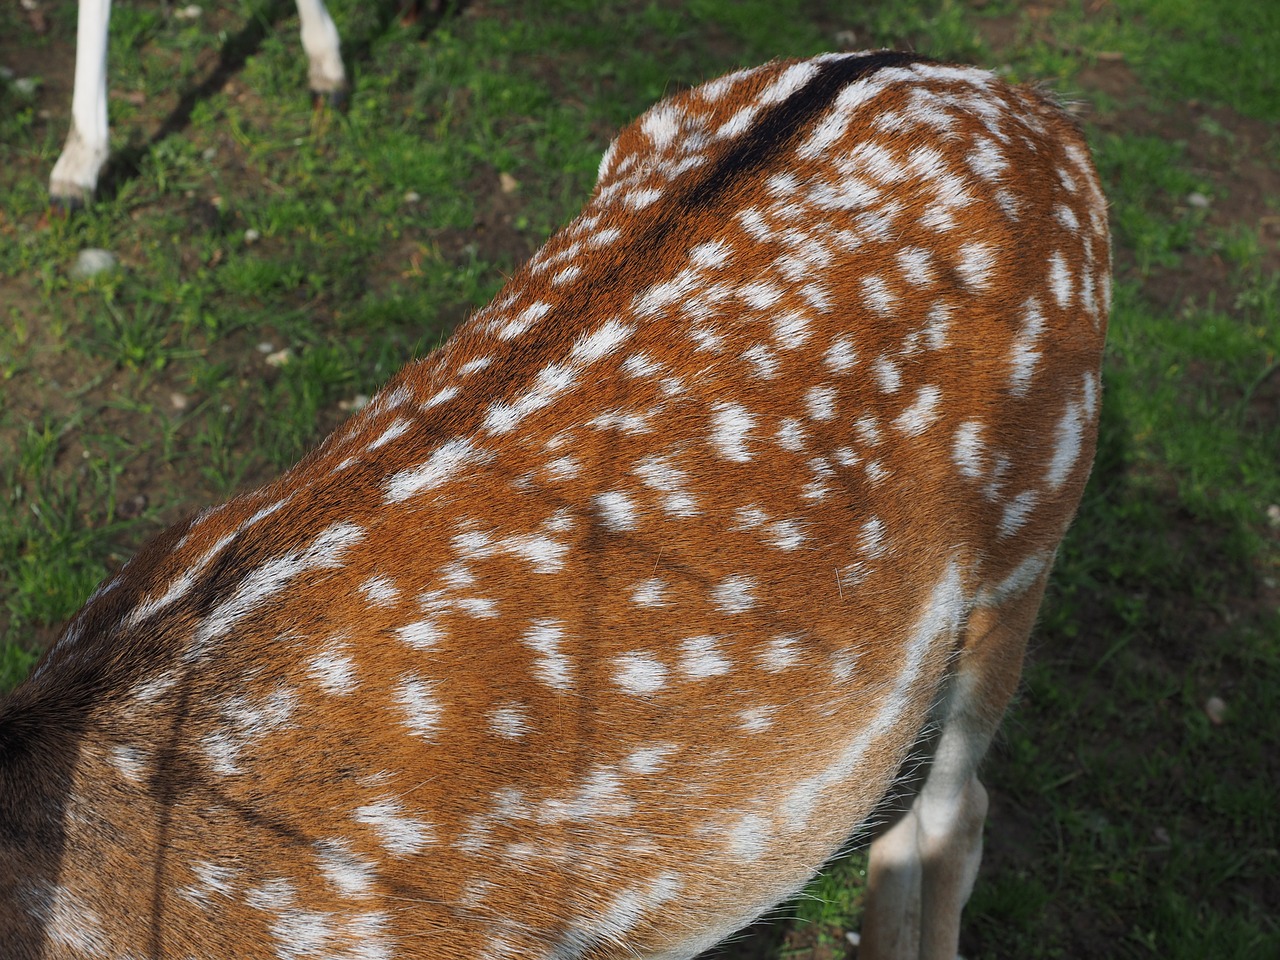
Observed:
{"x":657,"y":473}
{"x":444,"y":464}
{"x":734,"y":595}
{"x":739,"y":123}
{"x":785,"y":535}
{"x":870,"y":539}
{"x":868,"y":430}
{"x":840,"y":356}
{"x":749,"y":838}
{"x":1067,"y":444}
{"x":544,"y":554}
{"x":833,"y":125}
{"x":422,"y":712}
{"x":915,"y":419}
{"x":759,"y":295}
{"x":592,"y":347}
{"x":510,"y":721}
{"x":401,"y":834}
{"x":1026,"y":353}
{"x":967,"y":450}
{"x":763,"y":359}
{"x":617,"y":510}
{"x":661,"y":125}
{"x":350,"y":875}
{"x":791,"y":435}
{"x":639,"y":673}
{"x":523,"y":320}
{"x":887,"y":375}
{"x":641,"y":198}
{"x":821,"y":403}
{"x":647,"y":761}
{"x":380,"y":591}
{"x":753,"y":222}
{"x":563,"y":468}
{"x":649,"y":593}
{"x":756,"y":719}
{"x":916,"y":264}
{"x":731,"y":425}
{"x":780,"y":652}
{"x":710,"y":255}
{"x":1016,"y":512}
{"x":1060,"y":279}
{"x":473,"y":366}
{"x":550,"y":666}
{"x":397,"y":427}
{"x":1017,"y":582}
{"x":421,"y":634}
{"x":788,"y":82}
{"x":129,"y":761}
{"x":976,"y":263}
{"x":939,"y":322}
{"x":325,"y":552}
{"x":333,"y":671}
{"x":701,"y":658}
{"x":879,"y":297}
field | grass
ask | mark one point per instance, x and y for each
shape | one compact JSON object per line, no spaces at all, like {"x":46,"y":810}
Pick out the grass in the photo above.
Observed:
{"x":1127,"y":823}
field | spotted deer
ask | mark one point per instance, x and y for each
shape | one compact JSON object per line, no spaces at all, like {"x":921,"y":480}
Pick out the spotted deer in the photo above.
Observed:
{"x":604,"y":626}
{"x":75,"y":174}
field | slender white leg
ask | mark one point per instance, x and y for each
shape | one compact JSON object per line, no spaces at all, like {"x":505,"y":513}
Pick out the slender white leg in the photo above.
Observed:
{"x":75,"y":175}
{"x":922,"y":870}
{"x":326,"y":73}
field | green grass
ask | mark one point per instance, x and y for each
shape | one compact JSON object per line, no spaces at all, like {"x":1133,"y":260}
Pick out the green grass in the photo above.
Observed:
{"x":1127,"y":824}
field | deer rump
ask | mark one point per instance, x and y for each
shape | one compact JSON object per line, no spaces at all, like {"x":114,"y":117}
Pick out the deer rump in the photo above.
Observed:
{"x":601,"y":628}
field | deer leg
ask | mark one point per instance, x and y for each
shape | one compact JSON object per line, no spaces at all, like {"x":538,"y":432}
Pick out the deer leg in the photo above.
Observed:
{"x":326,"y":74}
{"x":922,"y":870}
{"x":75,"y":175}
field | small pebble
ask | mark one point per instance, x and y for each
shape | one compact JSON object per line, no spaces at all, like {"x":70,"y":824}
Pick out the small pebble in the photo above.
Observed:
{"x":1273,"y":515}
{"x":1215,"y":708}
{"x":251,"y":236}
{"x":279,"y":358}
{"x":189,"y":12}
{"x":266,"y":346}
{"x":508,"y":183}
{"x":1198,"y":200}
{"x":412,"y":196}
{"x":92,"y":262}
{"x":179,"y":401}
{"x":26,"y":85}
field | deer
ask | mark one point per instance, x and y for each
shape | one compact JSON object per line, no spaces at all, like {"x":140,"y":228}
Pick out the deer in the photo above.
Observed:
{"x":74,"y":178}
{"x":603,"y":627}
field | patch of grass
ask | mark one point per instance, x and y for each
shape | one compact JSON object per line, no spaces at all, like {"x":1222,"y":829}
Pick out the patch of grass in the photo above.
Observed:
{"x":1149,"y":185}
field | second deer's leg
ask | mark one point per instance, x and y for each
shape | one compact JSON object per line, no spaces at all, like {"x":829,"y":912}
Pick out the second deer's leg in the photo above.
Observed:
{"x":922,"y":870}
{"x":326,"y":74}
{"x":75,"y":175}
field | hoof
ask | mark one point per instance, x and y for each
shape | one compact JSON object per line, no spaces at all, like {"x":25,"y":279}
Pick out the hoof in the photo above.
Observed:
{"x":338,"y":99}
{"x":64,"y":203}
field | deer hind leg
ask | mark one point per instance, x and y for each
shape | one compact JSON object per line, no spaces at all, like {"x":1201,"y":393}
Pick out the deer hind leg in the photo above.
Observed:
{"x":922,"y":870}
{"x":75,"y":175}
{"x":326,"y":74}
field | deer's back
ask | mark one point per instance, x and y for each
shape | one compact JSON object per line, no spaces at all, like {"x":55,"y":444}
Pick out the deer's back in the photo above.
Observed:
{"x":611,"y":619}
